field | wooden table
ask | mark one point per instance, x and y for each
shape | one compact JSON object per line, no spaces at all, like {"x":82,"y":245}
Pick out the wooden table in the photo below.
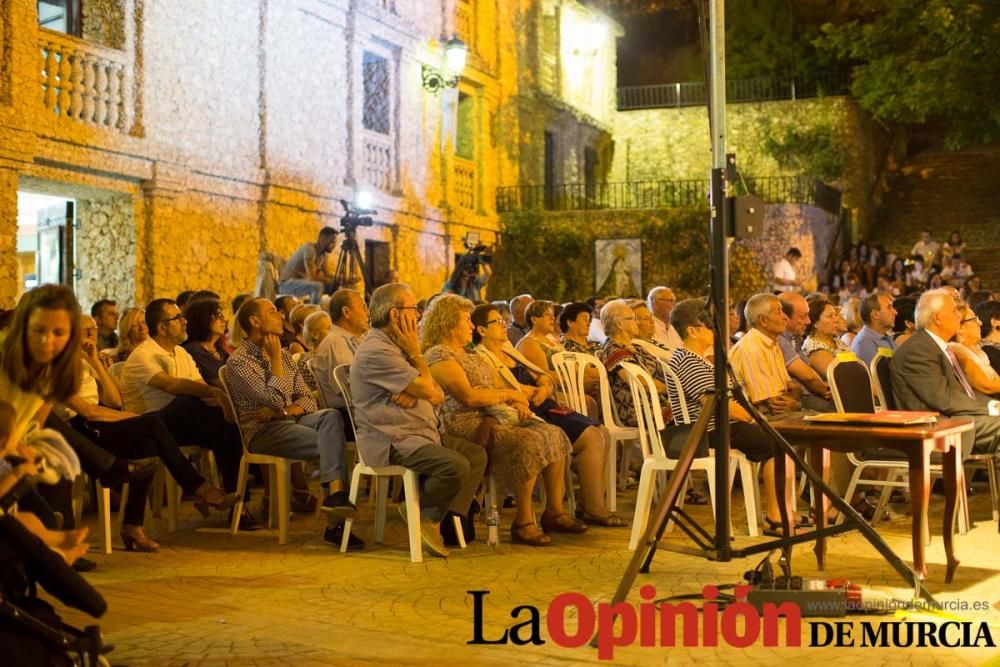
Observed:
{"x":916,"y":442}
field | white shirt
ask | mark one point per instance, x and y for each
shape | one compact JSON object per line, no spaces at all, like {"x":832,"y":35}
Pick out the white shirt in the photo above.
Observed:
{"x":596,"y":332}
{"x":337,"y":348}
{"x":666,"y":335}
{"x":784,"y":275}
{"x":150,"y":359}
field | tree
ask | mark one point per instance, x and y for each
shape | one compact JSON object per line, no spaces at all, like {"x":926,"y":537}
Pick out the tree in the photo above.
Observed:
{"x":922,"y":59}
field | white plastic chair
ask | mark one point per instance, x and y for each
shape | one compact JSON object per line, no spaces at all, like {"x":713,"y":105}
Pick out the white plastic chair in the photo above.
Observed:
{"x":281,"y":479}
{"x":570,"y":368}
{"x":748,"y":471}
{"x":411,"y":485}
{"x":650,"y":419}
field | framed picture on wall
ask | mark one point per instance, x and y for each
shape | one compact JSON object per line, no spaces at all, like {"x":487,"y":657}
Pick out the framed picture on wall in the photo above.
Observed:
{"x":618,"y":267}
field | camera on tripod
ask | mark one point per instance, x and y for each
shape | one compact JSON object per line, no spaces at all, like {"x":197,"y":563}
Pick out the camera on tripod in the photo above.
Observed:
{"x":476,"y":253}
{"x":355,"y":216}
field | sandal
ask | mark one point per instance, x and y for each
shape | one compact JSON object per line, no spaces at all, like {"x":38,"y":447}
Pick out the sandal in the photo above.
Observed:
{"x":557,"y":523}
{"x":518,"y":536}
{"x":775,"y":529}
{"x":610,"y":520}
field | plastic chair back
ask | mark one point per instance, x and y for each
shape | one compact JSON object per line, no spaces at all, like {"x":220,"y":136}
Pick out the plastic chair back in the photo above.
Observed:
{"x":850,"y":384}
{"x":883,"y":380}
{"x":648,"y":413}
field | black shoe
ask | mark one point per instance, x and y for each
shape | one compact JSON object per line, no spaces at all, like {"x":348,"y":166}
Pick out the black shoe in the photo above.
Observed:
{"x":338,"y":506}
{"x":84,"y":565}
{"x":448,"y":532}
{"x":247,"y":520}
{"x":124,"y":471}
{"x":335,"y":535}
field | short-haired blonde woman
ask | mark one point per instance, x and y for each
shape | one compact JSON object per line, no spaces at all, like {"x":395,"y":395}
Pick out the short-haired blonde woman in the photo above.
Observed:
{"x":523,"y":446}
{"x":314,"y":329}
{"x":297,"y":318}
{"x":132,"y":330}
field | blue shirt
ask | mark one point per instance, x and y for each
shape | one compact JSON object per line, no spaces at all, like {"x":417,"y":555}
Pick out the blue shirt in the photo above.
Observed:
{"x":867,"y":343}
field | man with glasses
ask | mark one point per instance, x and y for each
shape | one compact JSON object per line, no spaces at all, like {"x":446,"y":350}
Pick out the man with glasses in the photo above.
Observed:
{"x":394,"y":395}
{"x":661,"y":302}
{"x":161,"y":376}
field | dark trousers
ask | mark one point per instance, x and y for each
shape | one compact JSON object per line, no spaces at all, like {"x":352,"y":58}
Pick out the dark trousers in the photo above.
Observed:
{"x":192,"y":422}
{"x":96,"y":462}
{"x":450,"y":475}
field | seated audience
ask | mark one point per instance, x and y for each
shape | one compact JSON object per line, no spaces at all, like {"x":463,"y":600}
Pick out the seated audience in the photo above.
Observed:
{"x":132,"y":331}
{"x":758,"y":362}
{"x":853,"y":288}
{"x":956,"y":272}
{"x":105,"y":313}
{"x":161,"y":377}
{"x":519,"y":326}
{"x":927,"y":376}
{"x":619,"y":323}
{"x":697,"y":377}
{"x":297,"y":319}
{"x":95,"y":412}
{"x":823,"y":342}
{"x":314,"y":331}
{"x":183,"y":297}
{"x":879,"y":316}
{"x":394,"y":394}
{"x":977,"y":297}
{"x":972,"y":358}
{"x":850,"y":311}
{"x":596,"y":333}
{"x":989,"y":317}
{"x":741,"y":326}
{"x":574,"y":323}
{"x":646,"y":338}
{"x":954,"y":246}
{"x":926,"y":248}
{"x":660,"y":302}
{"x":523,"y":445}
{"x":814,"y":391}
{"x":904,"y":326}
{"x":206,"y":333}
{"x":536,"y":345}
{"x":504,"y":309}
{"x":278,"y":414}
{"x":235,"y":333}
{"x":350,"y":323}
{"x":286,"y":303}
{"x":489,"y":335}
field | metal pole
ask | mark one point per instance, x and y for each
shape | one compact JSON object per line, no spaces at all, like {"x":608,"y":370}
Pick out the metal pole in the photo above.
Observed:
{"x":720,"y":274}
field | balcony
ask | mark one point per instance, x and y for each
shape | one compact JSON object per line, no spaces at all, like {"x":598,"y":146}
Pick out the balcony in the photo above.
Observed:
{"x":661,"y":194}
{"x":378,"y":164}
{"x":85,"y":83}
{"x":465,"y":183}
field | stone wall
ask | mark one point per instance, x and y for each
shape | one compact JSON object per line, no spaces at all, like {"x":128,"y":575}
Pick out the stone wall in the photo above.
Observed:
{"x":666,"y":144}
{"x":106,"y":248}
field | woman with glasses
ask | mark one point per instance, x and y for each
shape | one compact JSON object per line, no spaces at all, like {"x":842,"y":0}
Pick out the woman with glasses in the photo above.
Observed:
{"x":524,"y":446}
{"x":588,"y":442}
{"x":206,"y":336}
{"x":971,"y":357}
{"x":538,"y":345}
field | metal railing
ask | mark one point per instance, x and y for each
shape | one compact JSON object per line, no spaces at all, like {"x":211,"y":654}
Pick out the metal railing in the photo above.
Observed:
{"x":695,"y":93}
{"x":660,"y":194}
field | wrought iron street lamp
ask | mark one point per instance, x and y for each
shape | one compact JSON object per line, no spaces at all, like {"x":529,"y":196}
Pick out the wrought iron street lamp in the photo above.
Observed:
{"x":453,"y":63}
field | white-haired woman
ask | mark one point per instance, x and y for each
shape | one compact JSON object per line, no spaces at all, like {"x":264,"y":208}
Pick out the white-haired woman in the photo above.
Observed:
{"x":314,"y":329}
{"x":523,"y":446}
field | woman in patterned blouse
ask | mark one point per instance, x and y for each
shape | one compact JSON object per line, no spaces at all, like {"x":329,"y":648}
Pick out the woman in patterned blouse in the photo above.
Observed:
{"x":823,"y":342}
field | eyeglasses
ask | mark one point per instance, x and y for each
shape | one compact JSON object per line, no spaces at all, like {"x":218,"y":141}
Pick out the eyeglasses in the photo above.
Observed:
{"x":971,"y":319}
{"x":179,"y":316}
{"x":497,"y":321}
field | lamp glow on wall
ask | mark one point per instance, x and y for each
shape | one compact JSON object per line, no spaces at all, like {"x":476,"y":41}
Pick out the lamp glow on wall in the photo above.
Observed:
{"x":452,"y":64}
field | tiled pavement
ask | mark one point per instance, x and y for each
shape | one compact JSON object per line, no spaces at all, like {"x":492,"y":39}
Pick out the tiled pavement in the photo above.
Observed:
{"x":211,"y":599}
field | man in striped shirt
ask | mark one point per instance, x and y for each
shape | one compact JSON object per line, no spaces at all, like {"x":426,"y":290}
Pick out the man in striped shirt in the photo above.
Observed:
{"x":757,"y":360}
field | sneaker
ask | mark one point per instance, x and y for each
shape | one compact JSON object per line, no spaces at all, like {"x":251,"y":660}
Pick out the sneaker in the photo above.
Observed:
{"x":338,"y":506}
{"x":335,"y":535}
{"x":430,"y":534}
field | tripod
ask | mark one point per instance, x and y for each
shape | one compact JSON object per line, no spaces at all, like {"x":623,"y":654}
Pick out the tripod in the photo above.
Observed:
{"x":350,"y":266}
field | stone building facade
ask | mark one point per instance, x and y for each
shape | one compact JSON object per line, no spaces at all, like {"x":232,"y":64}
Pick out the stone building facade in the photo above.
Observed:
{"x":196,"y":135}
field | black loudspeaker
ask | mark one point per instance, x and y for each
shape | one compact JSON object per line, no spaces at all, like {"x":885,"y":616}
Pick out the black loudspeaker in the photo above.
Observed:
{"x":747,"y":216}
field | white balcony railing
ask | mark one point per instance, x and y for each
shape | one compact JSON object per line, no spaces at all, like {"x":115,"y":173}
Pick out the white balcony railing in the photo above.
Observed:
{"x":377,"y":161}
{"x":465,"y":183}
{"x":84,"y":82}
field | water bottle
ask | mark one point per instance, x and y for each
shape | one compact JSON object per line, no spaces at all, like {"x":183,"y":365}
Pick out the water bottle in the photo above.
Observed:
{"x":493,"y":526}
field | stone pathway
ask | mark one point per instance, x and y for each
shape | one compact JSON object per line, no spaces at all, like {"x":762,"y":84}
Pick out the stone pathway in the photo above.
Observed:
{"x":211,"y":599}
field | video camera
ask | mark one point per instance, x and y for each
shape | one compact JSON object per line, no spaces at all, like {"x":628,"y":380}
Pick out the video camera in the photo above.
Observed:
{"x":355,"y":217}
{"x":476,"y":253}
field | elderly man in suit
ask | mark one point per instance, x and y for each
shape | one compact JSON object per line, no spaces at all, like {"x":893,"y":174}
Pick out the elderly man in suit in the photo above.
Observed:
{"x":926,"y":375}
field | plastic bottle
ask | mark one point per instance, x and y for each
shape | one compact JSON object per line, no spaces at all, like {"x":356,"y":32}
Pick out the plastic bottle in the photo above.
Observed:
{"x":493,"y":526}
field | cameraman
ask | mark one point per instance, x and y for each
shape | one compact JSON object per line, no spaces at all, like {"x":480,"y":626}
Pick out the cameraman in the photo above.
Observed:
{"x":303,"y":273}
{"x":470,"y":276}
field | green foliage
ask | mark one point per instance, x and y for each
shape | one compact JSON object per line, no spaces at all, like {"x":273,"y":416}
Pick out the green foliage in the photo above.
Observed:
{"x":813,"y":150}
{"x":769,"y":38}
{"x":552,"y":254}
{"x":919,"y":59}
